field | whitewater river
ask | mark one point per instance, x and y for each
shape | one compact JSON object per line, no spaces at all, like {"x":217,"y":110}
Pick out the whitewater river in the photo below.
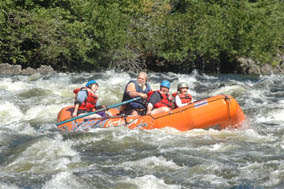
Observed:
{"x":35,"y":154}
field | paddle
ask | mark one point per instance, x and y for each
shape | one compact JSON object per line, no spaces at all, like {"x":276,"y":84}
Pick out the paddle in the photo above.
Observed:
{"x":99,"y":110}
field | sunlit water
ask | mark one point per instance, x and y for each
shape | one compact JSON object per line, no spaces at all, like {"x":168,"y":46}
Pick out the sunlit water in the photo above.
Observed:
{"x":34,"y":154}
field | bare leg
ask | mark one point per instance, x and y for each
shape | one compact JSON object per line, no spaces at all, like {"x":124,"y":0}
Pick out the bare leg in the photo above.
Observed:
{"x":134,"y":113}
{"x":160,"y":110}
{"x":92,"y":116}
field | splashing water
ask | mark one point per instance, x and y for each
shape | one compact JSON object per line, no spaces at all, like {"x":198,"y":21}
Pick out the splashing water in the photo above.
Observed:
{"x":34,"y":154}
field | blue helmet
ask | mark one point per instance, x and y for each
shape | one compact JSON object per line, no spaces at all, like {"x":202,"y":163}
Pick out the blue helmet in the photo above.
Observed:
{"x":91,"y":82}
{"x":165,"y":83}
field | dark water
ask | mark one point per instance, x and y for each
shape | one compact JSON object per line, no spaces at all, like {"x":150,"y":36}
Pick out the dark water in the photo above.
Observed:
{"x":34,"y":154}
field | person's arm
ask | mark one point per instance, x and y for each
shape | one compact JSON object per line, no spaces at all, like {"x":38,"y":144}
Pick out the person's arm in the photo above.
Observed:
{"x":80,"y":98}
{"x":75,"y":112}
{"x":147,"y":84}
{"x":178,"y":102}
{"x":131,"y":90}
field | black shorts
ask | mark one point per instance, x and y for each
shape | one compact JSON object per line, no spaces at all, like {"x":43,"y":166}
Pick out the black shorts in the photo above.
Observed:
{"x":128,"y":111}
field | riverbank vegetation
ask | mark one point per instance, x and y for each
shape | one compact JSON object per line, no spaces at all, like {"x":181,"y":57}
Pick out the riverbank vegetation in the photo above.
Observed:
{"x":160,"y":35}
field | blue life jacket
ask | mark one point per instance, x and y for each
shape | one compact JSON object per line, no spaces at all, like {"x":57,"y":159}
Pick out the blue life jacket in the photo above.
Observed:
{"x":138,"y":104}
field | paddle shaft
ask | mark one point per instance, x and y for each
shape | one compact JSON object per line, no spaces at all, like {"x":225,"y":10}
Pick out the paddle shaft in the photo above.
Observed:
{"x":99,"y":110}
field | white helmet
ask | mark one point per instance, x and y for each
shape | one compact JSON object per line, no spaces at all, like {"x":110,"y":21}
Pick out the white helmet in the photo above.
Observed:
{"x":182,"y":85}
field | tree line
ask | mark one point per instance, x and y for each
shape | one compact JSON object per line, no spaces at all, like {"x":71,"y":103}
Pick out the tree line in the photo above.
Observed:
{"x":158,"y":35}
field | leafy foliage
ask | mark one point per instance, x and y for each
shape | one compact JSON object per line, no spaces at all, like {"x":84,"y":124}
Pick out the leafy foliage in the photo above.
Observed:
{"x":139,"y":34}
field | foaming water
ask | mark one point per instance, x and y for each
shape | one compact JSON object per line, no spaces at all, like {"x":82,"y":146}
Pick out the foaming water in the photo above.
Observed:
{"x":42,"y":155}
{"x":152,"y":163}
{"x":34,"y":154}
{"x":10,"y":113}
{"x":150,"y":181}
{"x":65,"y":180}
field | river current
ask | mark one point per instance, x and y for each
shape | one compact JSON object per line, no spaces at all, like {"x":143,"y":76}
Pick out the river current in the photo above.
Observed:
{"x":35,"y":154}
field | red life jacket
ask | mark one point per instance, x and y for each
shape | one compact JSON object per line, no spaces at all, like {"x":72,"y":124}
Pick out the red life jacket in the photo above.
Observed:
{"x":165,"y":102}
{"x":185,"y":98}
{"x":90,"y":103}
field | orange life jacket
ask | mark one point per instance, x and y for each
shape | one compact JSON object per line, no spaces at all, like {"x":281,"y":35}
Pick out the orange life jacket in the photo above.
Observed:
{"x":185,"y":98}
{"x":90,"y":102}
{"x":165,"y":102}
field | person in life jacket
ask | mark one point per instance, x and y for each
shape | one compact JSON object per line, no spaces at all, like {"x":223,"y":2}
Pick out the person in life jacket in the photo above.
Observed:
{"x":182,"y":97}
{"x":160,"y":101}
{"x":86,"y":100}
{"x":133,"y":89}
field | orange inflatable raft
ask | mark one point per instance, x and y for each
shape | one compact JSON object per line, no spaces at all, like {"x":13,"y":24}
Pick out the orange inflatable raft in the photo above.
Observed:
{"x":217,"y":112}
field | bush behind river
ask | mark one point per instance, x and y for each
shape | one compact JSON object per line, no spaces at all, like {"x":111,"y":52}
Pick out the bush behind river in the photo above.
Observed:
{"x":159,"y":35}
